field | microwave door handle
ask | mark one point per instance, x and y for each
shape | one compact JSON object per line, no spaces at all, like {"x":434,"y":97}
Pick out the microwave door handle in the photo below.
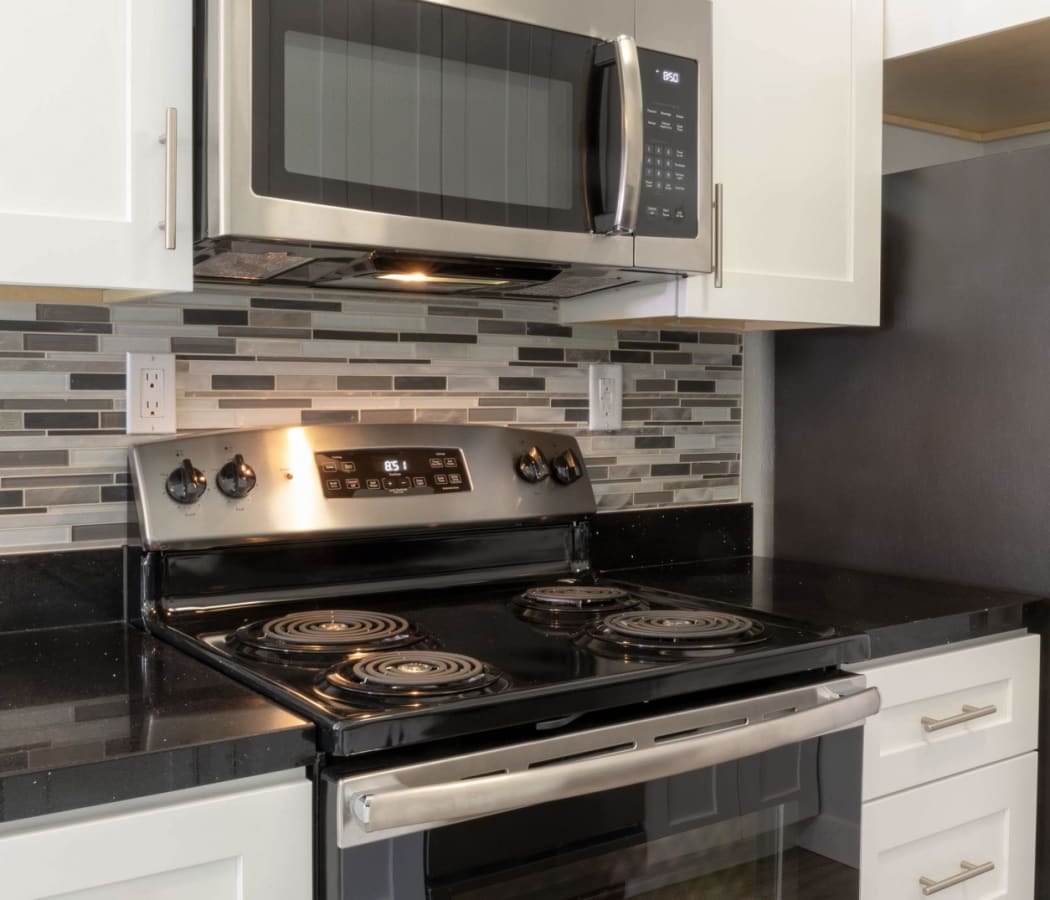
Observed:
{"x":623,"y":52}
{"x":457,"y":801}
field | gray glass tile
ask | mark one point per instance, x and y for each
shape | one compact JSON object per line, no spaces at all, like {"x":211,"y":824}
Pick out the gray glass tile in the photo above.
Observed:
{"x":242,"y":382}
{"x":10,"y":459}
{"x":96,"y":381}
{"x":467,"y":311}
{"x":255,"y":403}
{"x":61,"y":496}
{"x":493,"y":414}
{"x":523,"y":384}
{"x":107,"y":532}
{"x":365,"y":383}
{"x":113,"y":420}
{"x":70,"y":343}
{"x":24,"y":481}
{"x":419,"y":383}
{"x":72,"y":312}
{"x":385,"y":416}
{"x":501,"y":327}
{"x":50,"y":421}
{"x":281,"y":303}
{"x":250,"y":331}
{"x":50,"y":403}
{"x":203,"y":345}
{"x":214,"y":317}
{"x":329,"y":416}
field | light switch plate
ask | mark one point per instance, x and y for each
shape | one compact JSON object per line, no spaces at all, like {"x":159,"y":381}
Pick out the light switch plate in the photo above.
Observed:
{"x":150,"y":393}
{"x":606,"y":398}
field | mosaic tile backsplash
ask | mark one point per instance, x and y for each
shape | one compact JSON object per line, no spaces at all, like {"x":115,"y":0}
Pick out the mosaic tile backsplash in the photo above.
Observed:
{"x":273,"y":359}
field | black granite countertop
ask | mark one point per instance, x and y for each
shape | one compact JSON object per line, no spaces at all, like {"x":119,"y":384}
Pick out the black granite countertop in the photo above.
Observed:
{"x":899,"y":614}
{"x":96,"y":713}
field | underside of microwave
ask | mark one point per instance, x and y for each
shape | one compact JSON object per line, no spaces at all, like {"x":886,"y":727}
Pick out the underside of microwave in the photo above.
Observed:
{"x":251,"y":262}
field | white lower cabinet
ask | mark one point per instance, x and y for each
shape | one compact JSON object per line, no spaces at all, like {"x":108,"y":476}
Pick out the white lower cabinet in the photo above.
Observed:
{"x":983,"y":818}
{"x":244,"y":840}
{"x":950,"y":773}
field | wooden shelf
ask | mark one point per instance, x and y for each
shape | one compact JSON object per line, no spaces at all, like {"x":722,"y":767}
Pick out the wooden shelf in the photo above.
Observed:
{"x":983,"y":89}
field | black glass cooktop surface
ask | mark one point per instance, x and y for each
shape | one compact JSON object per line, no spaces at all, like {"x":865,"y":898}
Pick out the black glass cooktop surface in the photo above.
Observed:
{"x":377,"y":671}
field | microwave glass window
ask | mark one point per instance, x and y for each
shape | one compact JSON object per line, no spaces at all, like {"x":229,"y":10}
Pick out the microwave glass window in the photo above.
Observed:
{"x":420,"y":109}
{"x":392,"y":118}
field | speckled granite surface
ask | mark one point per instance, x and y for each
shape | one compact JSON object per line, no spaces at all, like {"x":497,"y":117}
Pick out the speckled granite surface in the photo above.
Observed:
{"x":898,"y":614}
{"x":95,"y":713}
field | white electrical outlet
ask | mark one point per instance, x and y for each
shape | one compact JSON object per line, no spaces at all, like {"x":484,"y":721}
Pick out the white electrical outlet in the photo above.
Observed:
{"x":606,"y":398}
{"x":151,"y":393}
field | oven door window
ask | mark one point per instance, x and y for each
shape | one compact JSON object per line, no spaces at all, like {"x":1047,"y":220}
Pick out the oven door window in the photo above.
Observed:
{"x":417,"y":109}
{"x":779,"y":826}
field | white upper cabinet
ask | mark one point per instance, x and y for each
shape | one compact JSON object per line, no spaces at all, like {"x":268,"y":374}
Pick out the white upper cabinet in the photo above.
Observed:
{"x":85,"y":181}
{"x":797,"y":113}
{"x":913,"y":26}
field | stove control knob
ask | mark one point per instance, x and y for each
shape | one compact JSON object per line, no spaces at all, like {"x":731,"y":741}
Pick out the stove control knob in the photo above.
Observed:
{"x":532,"y":466}
{"x":186,"y":484}
{"x":567,"y":468}
{"x":236,"y":479}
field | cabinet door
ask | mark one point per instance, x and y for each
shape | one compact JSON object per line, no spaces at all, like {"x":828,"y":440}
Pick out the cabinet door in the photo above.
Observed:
{"x":248,"y":844}
{"x":951,"y":711}
{"x":797,"y":136}
{"x":797,"y":148}
{"x":980,"y":817}
{"x":85,"y":88}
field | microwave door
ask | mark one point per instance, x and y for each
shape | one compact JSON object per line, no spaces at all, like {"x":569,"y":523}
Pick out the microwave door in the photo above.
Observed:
{"x":408,"y":125}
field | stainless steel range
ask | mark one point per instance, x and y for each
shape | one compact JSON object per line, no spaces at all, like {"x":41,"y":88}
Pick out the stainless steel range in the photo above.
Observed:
{"x":494,"y":718}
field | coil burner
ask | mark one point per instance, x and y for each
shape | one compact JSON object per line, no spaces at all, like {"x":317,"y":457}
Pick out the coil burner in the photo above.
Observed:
{"x":570,"y":606}
{"x":413,"y":677}
{"x":672,"y":633}
{"x":321,"y":637}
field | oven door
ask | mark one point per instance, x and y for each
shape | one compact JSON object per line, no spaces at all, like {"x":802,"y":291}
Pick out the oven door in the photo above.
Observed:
{"x":743,"y":800}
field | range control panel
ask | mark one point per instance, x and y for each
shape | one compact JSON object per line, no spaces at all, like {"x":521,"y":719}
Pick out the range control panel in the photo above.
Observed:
{"x":391,"y":472}
{"x":668,"y":205}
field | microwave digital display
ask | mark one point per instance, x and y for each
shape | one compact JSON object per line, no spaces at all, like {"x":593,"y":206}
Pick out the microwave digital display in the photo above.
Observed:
{"x":670,"y":76}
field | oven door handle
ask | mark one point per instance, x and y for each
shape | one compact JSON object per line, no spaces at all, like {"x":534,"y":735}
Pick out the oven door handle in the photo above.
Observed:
{"x":468,"y":799}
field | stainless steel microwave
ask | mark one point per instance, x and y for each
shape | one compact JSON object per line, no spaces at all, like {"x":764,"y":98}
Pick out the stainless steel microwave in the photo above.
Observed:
{"x":539,"y":149}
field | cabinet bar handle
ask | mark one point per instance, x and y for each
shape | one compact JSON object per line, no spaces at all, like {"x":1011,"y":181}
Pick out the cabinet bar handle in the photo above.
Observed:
{"x":968,"y":714}
{"x":170,"y":140}
{"x":969,"y":870}
{"x":719,"y":230}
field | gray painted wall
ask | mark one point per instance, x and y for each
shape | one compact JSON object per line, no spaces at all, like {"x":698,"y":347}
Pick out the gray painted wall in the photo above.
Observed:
{"x":924,"y":447}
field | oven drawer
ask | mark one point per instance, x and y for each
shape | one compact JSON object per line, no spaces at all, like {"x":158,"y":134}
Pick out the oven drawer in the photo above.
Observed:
{"x":948,"y":712}
{"x":972,"y":836}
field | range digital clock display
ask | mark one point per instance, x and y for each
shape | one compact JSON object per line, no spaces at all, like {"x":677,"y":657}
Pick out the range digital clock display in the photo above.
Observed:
{"x":392,"y":472}
{"x":670,"y":76}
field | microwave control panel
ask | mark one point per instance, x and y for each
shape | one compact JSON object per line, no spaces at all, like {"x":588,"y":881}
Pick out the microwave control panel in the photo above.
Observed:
{"x":668,"y":205}
{"x":391,"y":472}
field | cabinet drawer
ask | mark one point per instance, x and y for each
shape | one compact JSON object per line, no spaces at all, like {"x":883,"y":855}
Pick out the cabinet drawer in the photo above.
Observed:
{"x":980,"y":817}
{"x":949,"y":712}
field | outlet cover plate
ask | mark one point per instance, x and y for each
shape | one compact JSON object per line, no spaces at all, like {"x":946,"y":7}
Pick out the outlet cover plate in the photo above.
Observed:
{"x":150,"y":406}
{"x":606,"y":397}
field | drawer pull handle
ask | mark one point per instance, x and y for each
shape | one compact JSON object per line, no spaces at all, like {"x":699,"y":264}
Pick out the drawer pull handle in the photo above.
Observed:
{"x":969,"y":870}
{"x":968,"y":714}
